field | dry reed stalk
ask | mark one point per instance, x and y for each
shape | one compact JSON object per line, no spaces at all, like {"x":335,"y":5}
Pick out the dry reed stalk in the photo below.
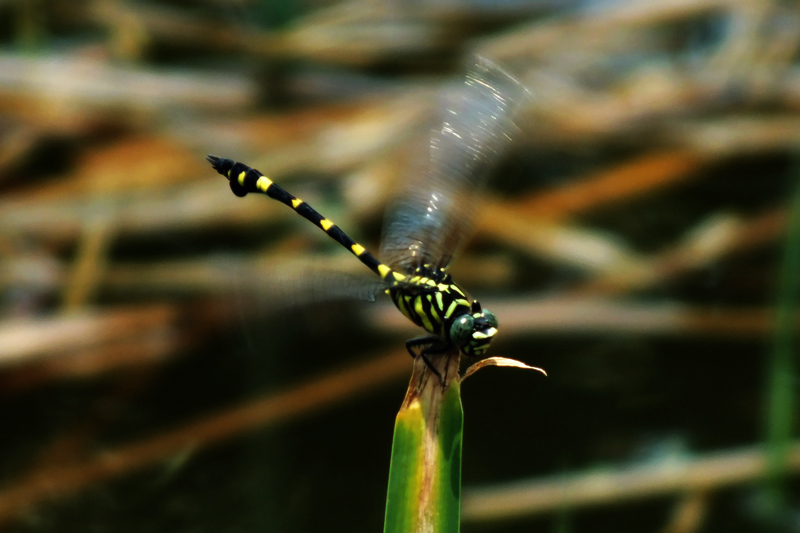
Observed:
{"x":689,"y":513}
{"x":595,"y":315}
{"x":24,"y":340}
{"x":642,"y":176}
{"x":73,"y":84}
{"x":715,"y":243}
{"x":88,"y":266}
{"x":706,"y":472}
{"x":151,"y":349}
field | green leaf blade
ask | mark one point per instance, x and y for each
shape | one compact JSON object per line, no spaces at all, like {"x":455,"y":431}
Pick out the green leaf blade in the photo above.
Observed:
{"x":425,"y":473}
{"x":405,"y":472}
{"x":451,"y":426}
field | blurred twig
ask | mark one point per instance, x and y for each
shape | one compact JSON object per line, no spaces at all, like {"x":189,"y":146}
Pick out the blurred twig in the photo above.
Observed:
{"x":689,"y":513}
{"x":525,"y":315}
{"x":23,"y":340}
{"x":70,"y":84}
{"x":674,"y":476}
{"x":642,"y":176}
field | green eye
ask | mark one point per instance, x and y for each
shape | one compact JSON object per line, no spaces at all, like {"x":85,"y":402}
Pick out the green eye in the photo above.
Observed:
{"x":461,"y":330}
{"x":490,"y":318}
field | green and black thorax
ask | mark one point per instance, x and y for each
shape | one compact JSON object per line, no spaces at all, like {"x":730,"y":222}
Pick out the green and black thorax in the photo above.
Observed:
{"x":427,"y":225}
{"x":432,"y":301}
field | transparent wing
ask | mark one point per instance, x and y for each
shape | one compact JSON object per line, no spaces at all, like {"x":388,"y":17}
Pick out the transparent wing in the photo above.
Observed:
{"x":428,"y":223}
{"x":292,"y":283}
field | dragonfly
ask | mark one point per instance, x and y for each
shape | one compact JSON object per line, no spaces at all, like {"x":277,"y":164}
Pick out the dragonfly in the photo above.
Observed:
{"x":428,"y":224}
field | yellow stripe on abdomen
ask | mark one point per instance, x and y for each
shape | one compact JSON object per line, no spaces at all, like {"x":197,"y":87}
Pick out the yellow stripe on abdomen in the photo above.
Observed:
{"x":263,"y":184}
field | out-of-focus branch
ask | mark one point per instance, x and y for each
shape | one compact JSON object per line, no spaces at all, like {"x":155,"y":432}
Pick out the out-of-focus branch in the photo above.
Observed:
{"x":666,"y":478}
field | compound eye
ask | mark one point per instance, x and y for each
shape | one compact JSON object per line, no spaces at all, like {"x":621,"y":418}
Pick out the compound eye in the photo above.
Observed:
{"x":490,"y":318}
{"x":461,"y":330}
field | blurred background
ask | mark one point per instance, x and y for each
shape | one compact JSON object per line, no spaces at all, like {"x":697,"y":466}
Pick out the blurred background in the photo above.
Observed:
{"x":173,"y":358}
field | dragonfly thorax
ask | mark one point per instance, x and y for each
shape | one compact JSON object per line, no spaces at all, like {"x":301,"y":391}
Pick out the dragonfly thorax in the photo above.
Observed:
{"x":431,"y":300}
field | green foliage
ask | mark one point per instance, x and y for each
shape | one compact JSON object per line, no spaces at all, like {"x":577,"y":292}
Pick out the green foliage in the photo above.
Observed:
{"x":781,"y":406}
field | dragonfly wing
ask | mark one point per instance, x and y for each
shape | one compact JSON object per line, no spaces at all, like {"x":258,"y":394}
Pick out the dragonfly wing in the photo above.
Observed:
{"x":429,"y":222}
{"x":293,"y":283}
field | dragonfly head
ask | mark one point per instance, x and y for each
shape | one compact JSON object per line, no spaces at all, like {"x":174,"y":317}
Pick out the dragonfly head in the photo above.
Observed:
{"x":473,"y":332}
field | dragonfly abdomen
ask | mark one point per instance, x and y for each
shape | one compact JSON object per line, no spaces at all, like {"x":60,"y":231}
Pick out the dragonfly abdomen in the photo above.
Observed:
{"x":244,"y":179}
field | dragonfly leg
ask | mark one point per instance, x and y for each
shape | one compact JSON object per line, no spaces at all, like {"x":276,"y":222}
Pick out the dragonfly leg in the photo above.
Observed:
{"x":431,"y":345}
{"x":429,"y":340}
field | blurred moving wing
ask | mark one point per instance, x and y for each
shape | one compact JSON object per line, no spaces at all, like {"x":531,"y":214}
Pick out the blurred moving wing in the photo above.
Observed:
{"x":428,"y":223}
{"x":277,"y":285}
